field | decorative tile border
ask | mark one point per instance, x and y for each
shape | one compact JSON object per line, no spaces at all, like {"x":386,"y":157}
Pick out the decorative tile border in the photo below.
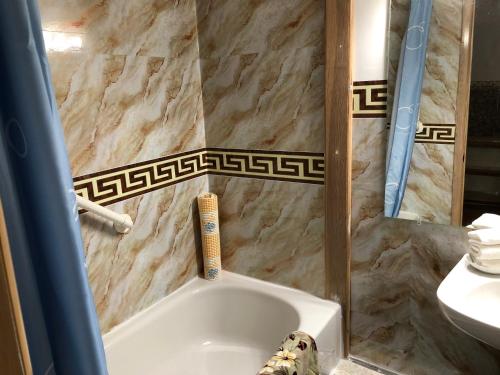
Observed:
{"x":117,"y":184}
{"x":305,"y":167}
{"x":370,"y":99}
{"x":436,"y":133}
{"x":121,"y":183}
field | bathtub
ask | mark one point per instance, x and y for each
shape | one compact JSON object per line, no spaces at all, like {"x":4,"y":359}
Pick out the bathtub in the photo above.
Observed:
{"x":224,"y":327}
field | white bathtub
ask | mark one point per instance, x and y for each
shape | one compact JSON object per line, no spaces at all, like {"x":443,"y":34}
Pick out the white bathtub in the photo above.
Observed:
{"x":225,"y":327}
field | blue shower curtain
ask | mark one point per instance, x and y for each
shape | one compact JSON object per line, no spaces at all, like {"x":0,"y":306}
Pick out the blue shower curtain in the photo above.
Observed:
{"x":406,"y":105}
{"x":39,"y":203}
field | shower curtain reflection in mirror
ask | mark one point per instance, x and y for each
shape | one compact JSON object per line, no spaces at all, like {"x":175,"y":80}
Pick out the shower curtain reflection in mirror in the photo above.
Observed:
{"x":406,"y":105}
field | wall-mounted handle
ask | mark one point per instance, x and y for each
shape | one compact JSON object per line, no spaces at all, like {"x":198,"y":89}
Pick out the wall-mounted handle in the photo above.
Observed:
{"x":121,"y":222}
{"x":410,"y":216}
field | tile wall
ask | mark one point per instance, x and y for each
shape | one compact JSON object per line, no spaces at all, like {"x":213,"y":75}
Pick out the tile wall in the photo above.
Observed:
{"x":147,"y":130}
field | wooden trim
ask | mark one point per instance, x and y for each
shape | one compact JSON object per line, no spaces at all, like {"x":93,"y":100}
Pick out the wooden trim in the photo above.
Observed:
{"x":14,"y":354}
{"x":464,"y":78}
{"x":338,"y":125}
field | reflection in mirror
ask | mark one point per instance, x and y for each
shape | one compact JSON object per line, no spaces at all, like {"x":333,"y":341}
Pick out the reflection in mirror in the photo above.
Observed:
{"x":435,"y":146}
{"x":406,"y":104}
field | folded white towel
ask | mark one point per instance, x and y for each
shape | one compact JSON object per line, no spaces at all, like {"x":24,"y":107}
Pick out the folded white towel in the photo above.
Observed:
{"x":483,"y":252}
{"x":486,"y":221}
{"x":491,"y":266}
{"x":487,"y":263}
{"x":481,"y":245}
{"x":485,"y":236}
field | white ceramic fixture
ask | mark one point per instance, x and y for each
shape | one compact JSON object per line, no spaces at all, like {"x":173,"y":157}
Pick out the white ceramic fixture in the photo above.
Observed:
{"x":121,"y":222}
{"x":224,"y":327}
{"x":470,"y":299}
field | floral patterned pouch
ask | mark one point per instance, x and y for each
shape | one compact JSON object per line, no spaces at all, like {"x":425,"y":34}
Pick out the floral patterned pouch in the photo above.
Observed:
{"x":297,"y":355}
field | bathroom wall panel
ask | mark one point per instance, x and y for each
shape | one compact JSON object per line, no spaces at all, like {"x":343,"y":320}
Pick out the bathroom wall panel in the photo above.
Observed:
{"x":133,"y":93}
{"x":263,"y":73}
{"x":163,"y":28}
{"x":381,"y":329}
{"x":262,"y":68}
{"x":130,"y":272}
{"x":429,"y":182}
{"x":130,"y":94}
{"x":268,"y":100}
{"x":118,"y":110}
{"x":240,"y":27}
{"x":272,"y":230}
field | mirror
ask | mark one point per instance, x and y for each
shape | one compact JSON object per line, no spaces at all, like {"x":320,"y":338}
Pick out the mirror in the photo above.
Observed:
{"x":423,"y":86}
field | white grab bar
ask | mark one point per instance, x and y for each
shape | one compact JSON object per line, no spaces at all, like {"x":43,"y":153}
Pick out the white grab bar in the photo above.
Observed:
{"x":121,"y":222}
{"x":407,"y":215}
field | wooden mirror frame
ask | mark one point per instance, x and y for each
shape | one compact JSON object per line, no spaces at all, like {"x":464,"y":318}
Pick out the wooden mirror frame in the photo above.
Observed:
{"x":338,"y":149}
{"x":462,"y":111}
{"x":338,"y":156}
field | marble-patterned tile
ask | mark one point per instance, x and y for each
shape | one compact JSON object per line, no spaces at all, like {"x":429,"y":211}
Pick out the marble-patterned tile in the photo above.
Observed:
{"x":131,"y":93}
{"x":428,"y":191}
{"x":162,"y":28}
{"x":439,"y":92}
{"x":267,"y":100}
{"x":272,"y":230}
{"x":118,"y":110}
{"x":130,"y":272}
{"x":263,"y":73}
{"x":380,"y":290}
{"x":240,"y":27}
{"x":369,"y":149}
{"x":380,"y":266}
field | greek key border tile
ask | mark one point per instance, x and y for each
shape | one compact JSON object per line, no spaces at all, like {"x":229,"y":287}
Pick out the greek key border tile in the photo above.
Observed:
{"x":113,"y":185}
{"x":436,"y":133}
{"x":370,"y":99}
{"x":274,"y":165}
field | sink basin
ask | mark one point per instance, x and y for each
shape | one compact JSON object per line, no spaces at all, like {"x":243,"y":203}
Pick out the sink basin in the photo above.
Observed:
{"x":470,"y":300}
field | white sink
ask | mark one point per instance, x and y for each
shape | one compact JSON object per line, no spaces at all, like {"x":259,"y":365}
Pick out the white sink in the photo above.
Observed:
{"x":470,"y":299}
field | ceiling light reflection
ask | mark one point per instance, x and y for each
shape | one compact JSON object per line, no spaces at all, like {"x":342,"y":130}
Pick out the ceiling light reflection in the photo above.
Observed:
{"x":56,"y":41}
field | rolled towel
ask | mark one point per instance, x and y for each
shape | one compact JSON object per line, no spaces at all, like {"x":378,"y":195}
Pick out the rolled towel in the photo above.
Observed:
{"x":486,"y":221}
{"x":485,"y":236}
{"x":484,"y":252}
